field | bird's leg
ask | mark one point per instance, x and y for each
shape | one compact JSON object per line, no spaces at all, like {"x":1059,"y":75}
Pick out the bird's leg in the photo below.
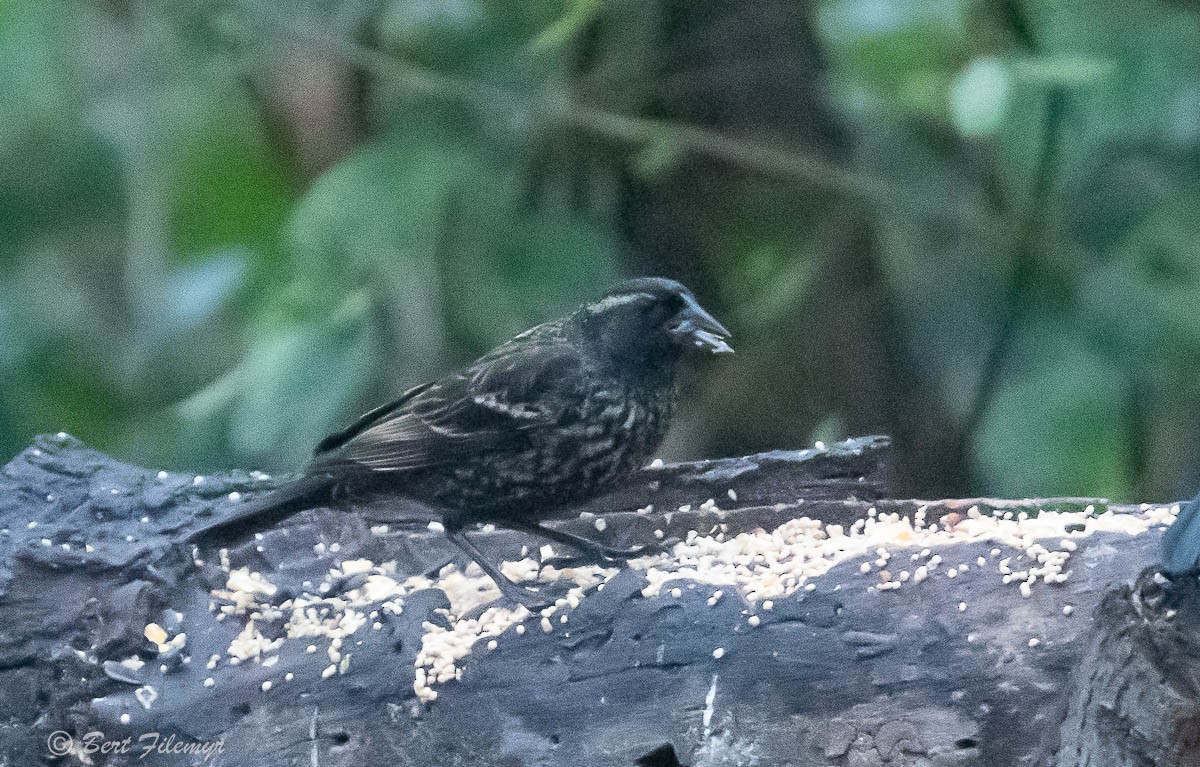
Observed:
{"x":432,"y":571}
{"x":519,"y":594}
{"x":578,"y":542}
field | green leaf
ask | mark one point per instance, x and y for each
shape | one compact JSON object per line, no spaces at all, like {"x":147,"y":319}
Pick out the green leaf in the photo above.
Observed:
{"x":1066,"y":70}
{"x":227,"y":184}
{"x":438,"y":33}
{"x":195,"y":292}
{"x":1054,"y":427}
{"x":1151,"y":320}
{"x":291,"y":385}
{"x":905,"y":55}
{"x":578,"y":15}
{"x":979,"y":97}
{"x":511,"y":268}
{"x":447,"y":238}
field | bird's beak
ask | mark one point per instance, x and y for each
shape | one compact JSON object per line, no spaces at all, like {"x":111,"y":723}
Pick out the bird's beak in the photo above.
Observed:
{"x":696,"y":326}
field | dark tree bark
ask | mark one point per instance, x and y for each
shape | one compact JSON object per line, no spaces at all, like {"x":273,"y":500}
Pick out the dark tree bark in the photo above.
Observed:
{"x":943,"y":672}
{"x":1135,"y":698}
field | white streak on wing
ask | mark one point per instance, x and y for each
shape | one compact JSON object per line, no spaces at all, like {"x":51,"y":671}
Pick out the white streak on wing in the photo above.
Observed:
{"x":630,"y":419}
{"x":387,"y":458}
{"x":611,"y":411}
{"x":518,"y":410}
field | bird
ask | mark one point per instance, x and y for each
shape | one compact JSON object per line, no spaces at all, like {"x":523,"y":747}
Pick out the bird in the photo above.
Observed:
{"x":1180,"y":550}
{"x":558,"y":414}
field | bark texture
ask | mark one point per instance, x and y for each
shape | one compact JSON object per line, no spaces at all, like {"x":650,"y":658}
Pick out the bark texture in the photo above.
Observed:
{"x":942,"y":673}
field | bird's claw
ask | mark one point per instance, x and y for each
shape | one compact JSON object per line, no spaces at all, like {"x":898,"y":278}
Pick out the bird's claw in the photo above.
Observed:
{"x":644,"y":550}
{"x":532,"y":600}
{"x":564,"y":561}
{"x":603,"y":555}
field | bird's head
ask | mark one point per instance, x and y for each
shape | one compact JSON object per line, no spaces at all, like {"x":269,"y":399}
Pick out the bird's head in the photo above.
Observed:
{"x":651,"y":318}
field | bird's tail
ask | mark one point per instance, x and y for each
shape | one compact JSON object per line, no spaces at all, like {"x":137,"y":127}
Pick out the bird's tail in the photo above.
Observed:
{"x":1181,"y":544}
{"x":275,"y":506}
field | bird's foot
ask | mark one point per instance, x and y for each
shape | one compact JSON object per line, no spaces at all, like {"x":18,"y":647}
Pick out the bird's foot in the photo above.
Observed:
{"x":607,"y":555}
{"x":532,"y":599}
{"x":433,"y":571}
{"x":562,"y":562}
{"x":638,"y":551}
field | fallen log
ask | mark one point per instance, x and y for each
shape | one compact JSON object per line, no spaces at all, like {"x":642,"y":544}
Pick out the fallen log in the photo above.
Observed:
{"x":803,"y":619}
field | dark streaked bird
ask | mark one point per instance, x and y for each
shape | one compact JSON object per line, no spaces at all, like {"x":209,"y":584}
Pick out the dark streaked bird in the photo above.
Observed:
{"x":560,"y":413}
{"x":1181,"y":544}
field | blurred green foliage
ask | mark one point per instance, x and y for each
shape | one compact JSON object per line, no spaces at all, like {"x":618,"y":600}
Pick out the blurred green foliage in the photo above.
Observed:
{"x":228,"y":227}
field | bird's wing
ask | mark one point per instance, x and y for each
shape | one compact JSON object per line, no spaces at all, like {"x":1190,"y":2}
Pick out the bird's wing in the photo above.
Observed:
{"x":365,"y":421}
{"x":515,"y":389}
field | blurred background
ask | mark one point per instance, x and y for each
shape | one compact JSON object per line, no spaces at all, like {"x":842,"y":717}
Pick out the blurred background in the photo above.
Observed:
{"x":226,"y":228}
